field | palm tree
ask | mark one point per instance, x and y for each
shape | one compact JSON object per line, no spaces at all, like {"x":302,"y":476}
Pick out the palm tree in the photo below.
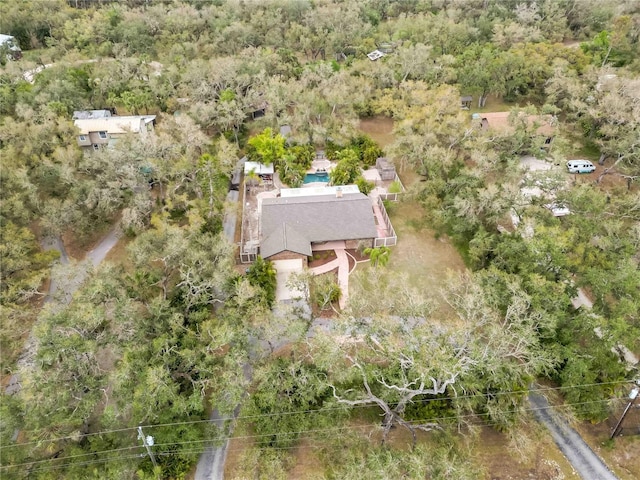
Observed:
{"x":378,"y":255}
{"x":263,"y":274}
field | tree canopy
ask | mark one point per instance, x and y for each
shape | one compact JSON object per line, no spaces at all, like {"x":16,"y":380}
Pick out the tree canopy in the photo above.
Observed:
{"x":169,"y":328}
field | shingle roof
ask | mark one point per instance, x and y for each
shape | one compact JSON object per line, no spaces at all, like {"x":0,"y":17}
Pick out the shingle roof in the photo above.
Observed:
{"x":284,"y":238}
{"x":316,"y":219}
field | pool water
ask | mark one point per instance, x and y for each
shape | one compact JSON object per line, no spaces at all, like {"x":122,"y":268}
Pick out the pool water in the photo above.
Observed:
{"x":316,"y":177}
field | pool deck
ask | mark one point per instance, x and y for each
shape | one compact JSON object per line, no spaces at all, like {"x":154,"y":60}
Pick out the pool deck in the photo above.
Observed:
{"x":322,"y":165}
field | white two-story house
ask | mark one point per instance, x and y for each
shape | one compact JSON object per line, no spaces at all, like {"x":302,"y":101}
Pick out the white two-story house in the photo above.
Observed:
{"x":100,"y":128}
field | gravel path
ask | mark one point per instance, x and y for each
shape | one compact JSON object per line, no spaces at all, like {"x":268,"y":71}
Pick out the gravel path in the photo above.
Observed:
{"x":584,"y":460}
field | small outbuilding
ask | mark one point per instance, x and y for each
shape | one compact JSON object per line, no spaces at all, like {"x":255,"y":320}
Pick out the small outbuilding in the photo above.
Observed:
{"x":386,"y":169}
{"x":465,"y":102}
{"x":375,"y":55}
{"x":265,"y":172}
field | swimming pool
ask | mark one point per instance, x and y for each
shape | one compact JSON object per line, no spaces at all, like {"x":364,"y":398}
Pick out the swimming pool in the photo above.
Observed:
{"x":316,"y":177}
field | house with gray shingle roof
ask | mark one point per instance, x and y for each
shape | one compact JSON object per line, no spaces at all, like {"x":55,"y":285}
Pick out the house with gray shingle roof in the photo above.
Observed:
{"x":290,"y":227}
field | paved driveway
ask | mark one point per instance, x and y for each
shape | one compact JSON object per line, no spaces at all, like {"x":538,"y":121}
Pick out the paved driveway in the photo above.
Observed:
{"x":284,"y":270}
{"x":584,"y":460}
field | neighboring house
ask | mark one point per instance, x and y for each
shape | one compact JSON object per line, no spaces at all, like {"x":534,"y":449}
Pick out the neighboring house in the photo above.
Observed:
{"x":100,"y":128}
{"x":9,"y":47}
{"x":292,"y":227}
{"x":499,"y":121}
{"x":386,"y":47}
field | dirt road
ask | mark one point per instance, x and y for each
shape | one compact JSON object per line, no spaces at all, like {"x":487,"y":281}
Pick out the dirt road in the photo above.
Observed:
{"x":66,"y":279}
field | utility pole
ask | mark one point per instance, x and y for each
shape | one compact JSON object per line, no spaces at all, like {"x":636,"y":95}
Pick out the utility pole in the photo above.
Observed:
{"x":632,"y":398}
{"x":148,"y":443}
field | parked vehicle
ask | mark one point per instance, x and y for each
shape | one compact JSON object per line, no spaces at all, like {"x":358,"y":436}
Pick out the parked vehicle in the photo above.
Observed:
{"x":558,"y":209}
{"x":580,"y":166}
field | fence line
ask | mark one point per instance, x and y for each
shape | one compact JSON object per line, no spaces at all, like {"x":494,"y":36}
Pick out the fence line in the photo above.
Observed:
{"x":392,"y":238}
{"x":393,"y":197}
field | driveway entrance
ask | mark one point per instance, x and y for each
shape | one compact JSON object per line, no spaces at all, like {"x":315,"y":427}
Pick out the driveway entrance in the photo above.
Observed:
{"x":284,"y":268}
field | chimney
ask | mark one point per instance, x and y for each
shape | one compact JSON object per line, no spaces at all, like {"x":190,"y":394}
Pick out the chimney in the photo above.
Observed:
{"x":338,"y":192}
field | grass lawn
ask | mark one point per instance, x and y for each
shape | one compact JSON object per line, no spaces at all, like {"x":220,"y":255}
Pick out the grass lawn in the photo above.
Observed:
{"x":621,"y":454}
{"x":379,"y":128}
{"x":489,"y":450}
{"x":426,"y":260}
{"x":493,"y":104}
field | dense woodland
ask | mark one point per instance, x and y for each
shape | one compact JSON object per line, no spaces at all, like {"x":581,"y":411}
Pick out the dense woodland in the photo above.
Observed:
{"x":173,"y":329}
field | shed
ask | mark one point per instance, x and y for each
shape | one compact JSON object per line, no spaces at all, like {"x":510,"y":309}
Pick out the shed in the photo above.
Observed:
{"x":386,"y":169}
{"x":258,"y":109}
{"x":465,"y":102}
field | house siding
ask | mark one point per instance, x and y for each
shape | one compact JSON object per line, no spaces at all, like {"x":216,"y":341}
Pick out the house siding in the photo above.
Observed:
{"x":288,"y":255}
{"x":94,"y":137}
{"x":354,"y":244}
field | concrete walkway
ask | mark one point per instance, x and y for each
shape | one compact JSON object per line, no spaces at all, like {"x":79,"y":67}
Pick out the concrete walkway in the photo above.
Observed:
{"x":342,"y":264}
{"x":381,"y":226}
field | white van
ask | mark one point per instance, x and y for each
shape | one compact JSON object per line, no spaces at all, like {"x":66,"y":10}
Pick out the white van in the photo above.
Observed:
{"x":580,"y":166}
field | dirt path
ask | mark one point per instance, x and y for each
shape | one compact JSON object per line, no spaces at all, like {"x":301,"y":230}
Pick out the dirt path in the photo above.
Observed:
{"x":66,"y":278}
{"x":98,"y":254}
{"x":584,"y":460}
{"x":54,"y":244}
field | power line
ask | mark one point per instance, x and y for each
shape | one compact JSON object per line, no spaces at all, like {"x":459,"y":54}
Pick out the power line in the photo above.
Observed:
{"x":323,"y":410}
{"x":276,"y":434}
{"x":317,"y":444}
